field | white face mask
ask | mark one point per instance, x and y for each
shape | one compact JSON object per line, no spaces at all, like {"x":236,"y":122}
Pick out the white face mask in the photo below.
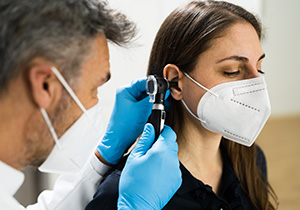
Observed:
{"x":238,"y":110}
{"x":75,"y":146}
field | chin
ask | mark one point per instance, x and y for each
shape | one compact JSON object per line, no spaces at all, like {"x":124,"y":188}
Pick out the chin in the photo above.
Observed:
{"x":38,"y":157}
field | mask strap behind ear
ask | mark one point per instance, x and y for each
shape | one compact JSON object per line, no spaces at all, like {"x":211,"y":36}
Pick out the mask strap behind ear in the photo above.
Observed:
{"x":197,"y":83}
{"x":187,"y":108}
{"x":49,"y":124}
{"x":68,"y":88}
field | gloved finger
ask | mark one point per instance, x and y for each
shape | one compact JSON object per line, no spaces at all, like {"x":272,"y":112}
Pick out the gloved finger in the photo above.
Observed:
{"x":137,"y":89}
{"x":145,"y":142}
{"x":168,"y":134}
{"x":166,"y":141}
{"x":167,"y":105}
{"x":167,"y":94}
{"x":146,"y":106}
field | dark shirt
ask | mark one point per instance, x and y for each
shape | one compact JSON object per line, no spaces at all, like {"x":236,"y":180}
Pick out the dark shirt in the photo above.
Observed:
{"x":193,"y":193}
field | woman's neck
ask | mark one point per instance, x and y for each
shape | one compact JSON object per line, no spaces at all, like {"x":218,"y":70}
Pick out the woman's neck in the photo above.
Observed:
{"x":199,"y":151}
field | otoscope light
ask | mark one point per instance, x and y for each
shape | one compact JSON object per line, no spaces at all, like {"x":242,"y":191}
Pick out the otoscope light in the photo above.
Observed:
{"x":157,"y":86}
{"x":151,"y":87}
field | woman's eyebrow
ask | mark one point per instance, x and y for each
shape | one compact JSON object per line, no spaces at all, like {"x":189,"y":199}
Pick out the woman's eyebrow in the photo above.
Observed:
{"x":234,"y":57}
{"x":240,"y":58}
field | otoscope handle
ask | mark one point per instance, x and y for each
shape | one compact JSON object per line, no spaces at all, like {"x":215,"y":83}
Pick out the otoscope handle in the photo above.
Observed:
{"x":157,"y":119}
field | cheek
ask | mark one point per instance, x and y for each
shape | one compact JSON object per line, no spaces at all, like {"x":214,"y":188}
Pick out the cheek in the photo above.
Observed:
{"x":87,"y":92}
{"x":89,"y":99}
{"x":192,"y":95}
{"x":38,"y":141}
{"x":65,"y":114}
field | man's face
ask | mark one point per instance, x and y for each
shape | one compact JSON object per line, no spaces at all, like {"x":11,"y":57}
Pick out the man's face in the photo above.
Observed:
{"x":94,"y":73}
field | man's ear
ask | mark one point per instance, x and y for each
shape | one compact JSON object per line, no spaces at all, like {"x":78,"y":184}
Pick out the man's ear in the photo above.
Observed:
{"x":172,"y":73}
{"x":45,"y":87}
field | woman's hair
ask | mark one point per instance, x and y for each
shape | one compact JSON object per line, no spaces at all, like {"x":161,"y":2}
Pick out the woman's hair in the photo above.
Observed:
{"x":185,"y":34}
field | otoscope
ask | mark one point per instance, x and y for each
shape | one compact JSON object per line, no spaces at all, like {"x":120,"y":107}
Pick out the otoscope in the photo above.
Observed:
{"x":157,"y":87}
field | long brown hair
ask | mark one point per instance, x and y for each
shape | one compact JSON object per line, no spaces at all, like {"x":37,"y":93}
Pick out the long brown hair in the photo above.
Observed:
{"x":185,"y":34}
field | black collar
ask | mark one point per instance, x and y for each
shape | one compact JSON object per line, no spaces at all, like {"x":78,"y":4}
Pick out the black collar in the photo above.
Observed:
{"x":190,"y":183}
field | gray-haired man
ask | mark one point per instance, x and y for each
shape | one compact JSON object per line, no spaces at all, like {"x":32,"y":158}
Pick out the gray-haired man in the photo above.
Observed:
{"x":53,"y":57}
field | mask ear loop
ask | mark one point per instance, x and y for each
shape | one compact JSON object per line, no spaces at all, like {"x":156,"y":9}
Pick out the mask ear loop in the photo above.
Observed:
{"x":197,"y":83}
{"x":187,"y":108}
{"x":49,"y":124}
{"x":72,"y":94}
{"x":68,"y":88}
{"x":208,"y":90}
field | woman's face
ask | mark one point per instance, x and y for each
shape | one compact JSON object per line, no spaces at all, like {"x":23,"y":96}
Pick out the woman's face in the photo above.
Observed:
{"x":236,"y":55}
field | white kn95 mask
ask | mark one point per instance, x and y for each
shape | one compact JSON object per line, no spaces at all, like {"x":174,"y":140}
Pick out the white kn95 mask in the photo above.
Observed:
{"x":76,"y":145}
{"x":238,"y":110}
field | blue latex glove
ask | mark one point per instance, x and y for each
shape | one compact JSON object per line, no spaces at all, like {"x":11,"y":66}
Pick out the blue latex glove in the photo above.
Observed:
{"x":150,"y":177}
{"x":130,"y":114}
{"x":167,"y":103}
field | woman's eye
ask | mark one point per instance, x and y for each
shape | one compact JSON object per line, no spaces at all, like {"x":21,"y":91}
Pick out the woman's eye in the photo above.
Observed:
{"x":231,"y":73}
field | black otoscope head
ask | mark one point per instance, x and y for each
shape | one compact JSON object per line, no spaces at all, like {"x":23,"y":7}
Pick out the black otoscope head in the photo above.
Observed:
{"x":157,"y":87}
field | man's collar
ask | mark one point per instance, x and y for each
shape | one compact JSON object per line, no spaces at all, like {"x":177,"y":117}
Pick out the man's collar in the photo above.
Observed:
{"x":11,"y":179}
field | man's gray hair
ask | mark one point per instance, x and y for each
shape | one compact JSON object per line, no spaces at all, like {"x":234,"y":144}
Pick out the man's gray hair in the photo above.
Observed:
{"x":60,"y":31}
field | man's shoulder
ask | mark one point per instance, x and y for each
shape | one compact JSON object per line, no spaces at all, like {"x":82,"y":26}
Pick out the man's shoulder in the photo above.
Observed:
{"x":8,"y":202}
{"x":106,"y":196}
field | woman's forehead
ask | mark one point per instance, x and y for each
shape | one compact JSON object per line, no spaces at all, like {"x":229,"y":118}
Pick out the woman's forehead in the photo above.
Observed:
{"x":240,"y":39}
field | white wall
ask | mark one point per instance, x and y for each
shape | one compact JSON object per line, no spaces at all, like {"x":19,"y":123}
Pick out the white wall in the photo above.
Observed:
{"x":282,"y":46}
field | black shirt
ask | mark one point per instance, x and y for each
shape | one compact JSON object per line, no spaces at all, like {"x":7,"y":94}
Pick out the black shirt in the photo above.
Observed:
{"x":192,"y":194}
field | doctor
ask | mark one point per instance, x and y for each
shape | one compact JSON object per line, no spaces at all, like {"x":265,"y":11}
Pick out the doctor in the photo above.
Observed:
{"x":53,"y":57}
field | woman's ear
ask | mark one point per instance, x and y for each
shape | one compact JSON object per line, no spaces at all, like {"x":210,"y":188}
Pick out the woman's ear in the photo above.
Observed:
{"x":172,"y":73}
{"x":45,"y":87}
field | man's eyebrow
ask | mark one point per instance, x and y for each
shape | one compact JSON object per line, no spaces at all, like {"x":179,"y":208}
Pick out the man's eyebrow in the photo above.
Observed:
{"x":240,"y":58}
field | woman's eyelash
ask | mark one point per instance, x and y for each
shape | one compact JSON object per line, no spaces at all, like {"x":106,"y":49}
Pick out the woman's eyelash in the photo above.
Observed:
{"x":231,"y":73}
{"x":237,"y":72}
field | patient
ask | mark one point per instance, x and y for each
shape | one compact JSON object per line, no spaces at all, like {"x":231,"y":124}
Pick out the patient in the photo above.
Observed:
{"x":208,"y":43}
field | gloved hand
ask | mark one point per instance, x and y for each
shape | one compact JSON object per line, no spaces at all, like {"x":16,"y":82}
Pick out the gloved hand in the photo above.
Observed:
{"x":151,"y":176}
{"x":130,"y":114}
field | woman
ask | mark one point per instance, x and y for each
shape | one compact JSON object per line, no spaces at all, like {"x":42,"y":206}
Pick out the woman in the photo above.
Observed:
{"x":208,"y":48}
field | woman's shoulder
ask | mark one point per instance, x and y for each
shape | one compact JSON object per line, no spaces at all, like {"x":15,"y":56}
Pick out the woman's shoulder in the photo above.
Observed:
{"x":106,"y":196}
